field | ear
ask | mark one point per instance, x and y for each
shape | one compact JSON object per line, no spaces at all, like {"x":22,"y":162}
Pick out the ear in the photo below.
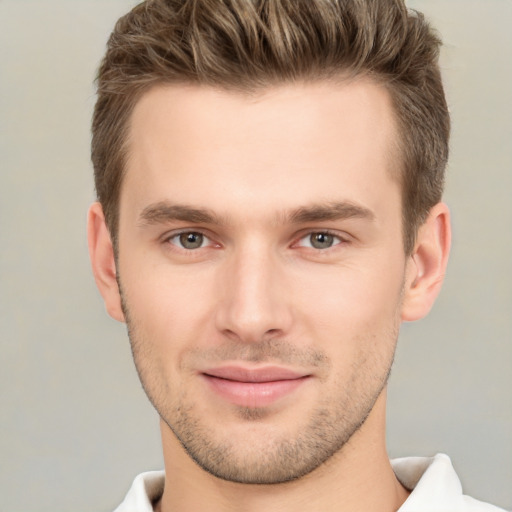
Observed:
{"x":426,"y":266}
{"x":103,"y":262}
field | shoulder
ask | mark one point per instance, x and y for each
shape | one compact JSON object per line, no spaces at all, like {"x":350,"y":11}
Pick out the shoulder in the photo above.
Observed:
{"x":434,"y":486}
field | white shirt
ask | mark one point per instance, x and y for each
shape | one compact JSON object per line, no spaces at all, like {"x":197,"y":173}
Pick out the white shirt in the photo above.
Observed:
{"x":434,"y":484}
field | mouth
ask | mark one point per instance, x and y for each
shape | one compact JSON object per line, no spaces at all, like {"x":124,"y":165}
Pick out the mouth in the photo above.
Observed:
{"x":253,"y":387}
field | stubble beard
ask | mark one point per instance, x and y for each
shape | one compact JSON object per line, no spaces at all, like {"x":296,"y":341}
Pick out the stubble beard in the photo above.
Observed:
{"x":276,"y":457}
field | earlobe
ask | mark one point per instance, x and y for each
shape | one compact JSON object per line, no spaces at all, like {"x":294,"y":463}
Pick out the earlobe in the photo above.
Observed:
{"x":426,"y":265}
{"x":103,"y":261}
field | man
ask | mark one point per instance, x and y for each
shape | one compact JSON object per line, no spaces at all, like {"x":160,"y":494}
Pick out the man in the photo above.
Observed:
{"x":269,"y":176}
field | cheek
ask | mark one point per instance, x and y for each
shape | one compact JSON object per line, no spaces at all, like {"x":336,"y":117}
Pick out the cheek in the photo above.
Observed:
{"x":350,"y":295}
{"x":170,"y":307}
{"x":352,"y":310}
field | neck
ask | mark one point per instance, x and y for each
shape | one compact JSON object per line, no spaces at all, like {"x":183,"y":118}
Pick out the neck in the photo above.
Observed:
{"x":357,"y":478}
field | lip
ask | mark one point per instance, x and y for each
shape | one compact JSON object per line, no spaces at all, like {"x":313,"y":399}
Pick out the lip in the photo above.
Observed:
{"x":253,"y":387}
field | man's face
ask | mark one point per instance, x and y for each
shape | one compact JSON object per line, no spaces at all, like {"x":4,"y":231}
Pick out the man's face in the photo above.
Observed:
{"x":261,"y":266}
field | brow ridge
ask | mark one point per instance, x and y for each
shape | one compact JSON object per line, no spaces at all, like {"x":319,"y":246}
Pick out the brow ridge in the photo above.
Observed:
{"x":163,"y":211}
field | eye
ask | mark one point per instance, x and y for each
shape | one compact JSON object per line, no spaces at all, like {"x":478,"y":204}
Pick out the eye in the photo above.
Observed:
{"x":189,"y":240}
{"x":319,"y":240}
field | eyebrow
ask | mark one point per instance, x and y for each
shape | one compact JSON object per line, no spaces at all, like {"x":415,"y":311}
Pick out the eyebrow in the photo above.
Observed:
{"x":330,"y":211}
{"x":164,"y":211}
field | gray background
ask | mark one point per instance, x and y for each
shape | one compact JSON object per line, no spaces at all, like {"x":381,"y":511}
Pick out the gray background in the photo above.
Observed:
{"x":76,"y":426}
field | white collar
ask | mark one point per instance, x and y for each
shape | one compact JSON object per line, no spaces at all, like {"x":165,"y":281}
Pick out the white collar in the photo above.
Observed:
{"x":434,"y":484}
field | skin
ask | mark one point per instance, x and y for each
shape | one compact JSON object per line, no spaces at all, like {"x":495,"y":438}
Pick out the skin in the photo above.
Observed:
{"x":262,"y":183}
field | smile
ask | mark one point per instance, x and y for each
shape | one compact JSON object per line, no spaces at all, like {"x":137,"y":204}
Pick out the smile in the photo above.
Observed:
{"x":254,"y":388}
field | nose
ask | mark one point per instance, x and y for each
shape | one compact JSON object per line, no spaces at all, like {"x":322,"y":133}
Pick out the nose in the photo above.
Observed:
{"x":254,"y":302}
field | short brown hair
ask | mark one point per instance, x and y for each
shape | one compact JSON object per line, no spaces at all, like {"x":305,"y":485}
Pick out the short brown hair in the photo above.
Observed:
{"x":246,"y":45}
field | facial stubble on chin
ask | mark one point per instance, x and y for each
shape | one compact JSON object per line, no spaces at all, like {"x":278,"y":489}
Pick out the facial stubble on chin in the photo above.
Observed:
{"x":273,"y":457}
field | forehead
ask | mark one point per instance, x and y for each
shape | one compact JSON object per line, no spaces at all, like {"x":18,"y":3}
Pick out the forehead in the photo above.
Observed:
{"x":286,"y":145}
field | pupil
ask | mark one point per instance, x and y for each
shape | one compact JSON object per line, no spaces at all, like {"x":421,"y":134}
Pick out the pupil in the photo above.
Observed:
{"x":321,"y":240}
{"x":191,"y":240}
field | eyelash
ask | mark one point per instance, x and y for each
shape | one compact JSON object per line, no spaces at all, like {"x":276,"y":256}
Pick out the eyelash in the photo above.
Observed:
{"x":338,"y":240}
